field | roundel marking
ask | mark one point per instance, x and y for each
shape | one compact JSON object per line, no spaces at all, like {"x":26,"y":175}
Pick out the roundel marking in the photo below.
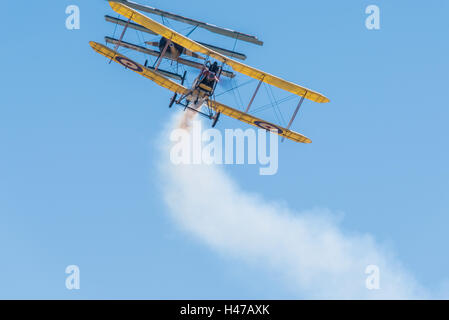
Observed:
{"x":129,"y":64}
{"x":267,"y":126}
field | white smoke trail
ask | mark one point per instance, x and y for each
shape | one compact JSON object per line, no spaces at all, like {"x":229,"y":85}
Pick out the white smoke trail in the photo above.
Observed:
{"x":308,"y":249}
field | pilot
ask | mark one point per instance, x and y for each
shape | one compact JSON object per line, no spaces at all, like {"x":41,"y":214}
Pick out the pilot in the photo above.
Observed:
{"x":214,"y":67}
{"x":209,"y":74}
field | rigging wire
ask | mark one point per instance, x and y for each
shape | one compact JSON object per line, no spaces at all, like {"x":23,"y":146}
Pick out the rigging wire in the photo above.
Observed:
{"x":141,"y":41}
{"x":277,"y":106}
{"x":233,"y":88}
{"x":191,"y":31}
{"x":279,"y":102}
{"x":115,"y":28}
{"x":271,"y":100}
{"x":233,"y":80}
{"x":235,"y":96}
{"x":238,"y":92}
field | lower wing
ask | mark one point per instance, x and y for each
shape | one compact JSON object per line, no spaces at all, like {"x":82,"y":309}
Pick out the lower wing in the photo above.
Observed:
{"x":245,"y":117}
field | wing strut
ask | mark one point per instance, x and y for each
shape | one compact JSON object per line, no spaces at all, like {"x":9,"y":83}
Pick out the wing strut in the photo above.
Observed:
{"x":254,"y":95}
{"x":162,"y":55}
{"x":121,"y":38}
{"x":295,"y":113}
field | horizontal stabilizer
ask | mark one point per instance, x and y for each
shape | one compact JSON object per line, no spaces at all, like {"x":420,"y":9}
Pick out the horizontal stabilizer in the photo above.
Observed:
{"x":131,"y":25}
{"x":212,"y":28}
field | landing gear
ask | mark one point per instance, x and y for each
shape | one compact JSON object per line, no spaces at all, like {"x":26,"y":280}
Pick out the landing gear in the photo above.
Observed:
{"x":215,"y":118}
{"x":183,"y":77}
{"x":173,"y":99}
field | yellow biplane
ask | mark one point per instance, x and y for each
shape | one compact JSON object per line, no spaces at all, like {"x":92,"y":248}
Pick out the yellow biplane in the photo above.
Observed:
{"x":173,"y":45}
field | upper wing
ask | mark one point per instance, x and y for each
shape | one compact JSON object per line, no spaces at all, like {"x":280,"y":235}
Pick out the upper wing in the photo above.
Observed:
{"x":196,"y":47}
{"x":245,"y":117}
{"x":134,"y":66}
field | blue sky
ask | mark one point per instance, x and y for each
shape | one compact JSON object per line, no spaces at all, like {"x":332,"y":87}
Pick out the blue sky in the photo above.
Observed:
{"x":79,"y":178}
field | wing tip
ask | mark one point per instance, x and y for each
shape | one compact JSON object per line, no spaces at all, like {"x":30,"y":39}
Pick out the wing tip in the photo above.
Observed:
{"x":304,"y":140}
{"x":323,"y":99}
{"x":116,"y":5}
{"x":95,"y":45}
